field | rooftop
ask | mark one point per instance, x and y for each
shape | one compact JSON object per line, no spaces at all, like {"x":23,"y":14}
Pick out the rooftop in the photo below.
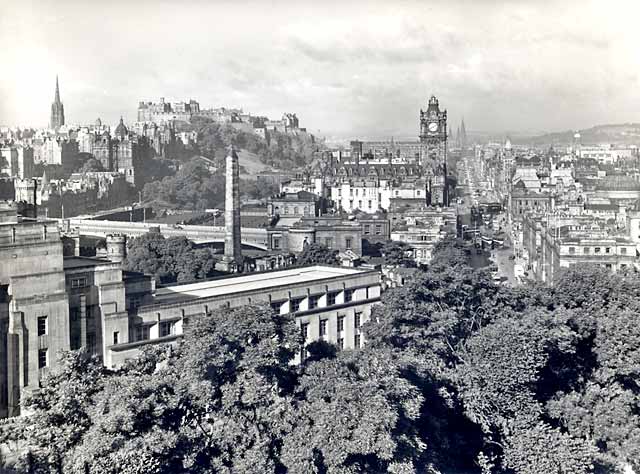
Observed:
{"x":254,"y":281}
{"x":82,"y":262}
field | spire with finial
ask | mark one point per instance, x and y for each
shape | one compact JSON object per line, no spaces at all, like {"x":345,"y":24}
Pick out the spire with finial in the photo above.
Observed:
{"x":57,"y":109}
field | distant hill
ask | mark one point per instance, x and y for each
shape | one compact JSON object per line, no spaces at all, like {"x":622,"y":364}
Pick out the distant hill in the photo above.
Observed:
{"x":622,"y":134}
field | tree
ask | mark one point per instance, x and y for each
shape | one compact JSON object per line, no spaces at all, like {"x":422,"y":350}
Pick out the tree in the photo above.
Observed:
{"x":91,"y":165}
{"x":169,"y":260}
{"x":354,"y":413}
{"x":398,"y":254}
{"x":192,"y":187}
{"x":317,"y":254}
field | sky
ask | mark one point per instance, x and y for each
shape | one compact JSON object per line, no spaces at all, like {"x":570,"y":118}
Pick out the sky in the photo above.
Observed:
{"x":347,"y":68}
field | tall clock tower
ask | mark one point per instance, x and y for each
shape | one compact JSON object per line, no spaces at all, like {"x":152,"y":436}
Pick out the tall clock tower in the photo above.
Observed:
{"x":433,"y":152}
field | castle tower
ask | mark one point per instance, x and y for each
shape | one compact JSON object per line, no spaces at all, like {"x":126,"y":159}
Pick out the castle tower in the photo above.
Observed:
{"x":232,"y":260}
{"x":116,"y":247}
{"x":57,"y":110}
{"x":433,"y":152}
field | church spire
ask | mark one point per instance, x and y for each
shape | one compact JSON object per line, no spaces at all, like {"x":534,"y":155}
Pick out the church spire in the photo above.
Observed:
{"x":57,"y":97}
{"x":57,"y":110}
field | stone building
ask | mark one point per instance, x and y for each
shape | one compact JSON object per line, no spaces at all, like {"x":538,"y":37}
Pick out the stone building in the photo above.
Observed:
{"x":334,"y":232}
{"x":16,"y":161}
{"x":295,"y":205}
{"x":329,"y":303}
{"x":34,"y":307}
{"x":553,"y":241}
{"x":161,"y":112}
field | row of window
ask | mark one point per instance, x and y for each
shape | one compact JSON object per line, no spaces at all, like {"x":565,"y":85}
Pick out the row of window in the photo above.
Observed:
{"x":294,"y":303}
{"x":323,"y":323}
{"x":378,"y":229}
{"x":143,"y":331}
{"x":597,"y":250}
{"x":296,"y":211}
{"x":79,"y":282}
{"x":369,"y":204}
{"x":327,"y":242}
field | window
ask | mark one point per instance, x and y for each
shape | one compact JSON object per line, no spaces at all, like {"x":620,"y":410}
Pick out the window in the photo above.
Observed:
{"x":313,"y":301}
{"x":356,"y":341}
{"x":348,"y":295}
{"x":78,"y":282}
{"x":328,"y":242}
{"x":116,"y":335}
{"x":142,"y":333}
{"x":623,"y":250}
{"x":331,"y":298}
{"x":276,"y":307}
{"x":340,"y":323}
{"x":42,"y":325}
{"x":340,"y":343}
{"x":586,"y":250}
{"x":304,"y":329}
{"x":351,"y":204}
{"x":323,"y":327}
{"x":166,"y":329}
{"x":369,"y":204}
{"x":367,"y":229}
{"x":607,"y":250}
{"x":91,"y":341}
{"x":295,"y":304}
{"x":276,"y":243}
{"x":597,"y":250}
{"x":339,"y":192}
{"x":572,"y":250}
{"x":350,"y":191}
{"x":359,"y":204}
{"x":357,"y":320}
{"x":347,"y":242}
{"x":43,"y":356}
{"x":378,"y":229}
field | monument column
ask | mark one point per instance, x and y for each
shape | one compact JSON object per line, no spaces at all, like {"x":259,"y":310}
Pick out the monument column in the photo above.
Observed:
{"x":232,"y":260}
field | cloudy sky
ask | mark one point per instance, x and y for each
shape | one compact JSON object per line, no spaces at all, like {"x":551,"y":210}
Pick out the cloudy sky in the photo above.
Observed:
{"x":348,"y":68}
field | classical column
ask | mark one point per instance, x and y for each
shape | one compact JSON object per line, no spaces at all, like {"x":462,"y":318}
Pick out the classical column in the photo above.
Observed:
{"x":232,"y":260}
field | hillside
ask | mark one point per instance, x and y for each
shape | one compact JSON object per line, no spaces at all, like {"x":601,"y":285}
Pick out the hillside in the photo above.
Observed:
{"x":250,"y":164}
{"x":623,"y":134}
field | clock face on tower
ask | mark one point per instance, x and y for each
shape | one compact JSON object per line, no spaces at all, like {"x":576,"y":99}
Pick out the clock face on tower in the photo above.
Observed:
{"x":433,"y":127}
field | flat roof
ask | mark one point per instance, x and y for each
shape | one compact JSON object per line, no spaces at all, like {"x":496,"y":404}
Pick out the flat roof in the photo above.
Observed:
{"x":255,"y":281}
{"x":80,"y":262}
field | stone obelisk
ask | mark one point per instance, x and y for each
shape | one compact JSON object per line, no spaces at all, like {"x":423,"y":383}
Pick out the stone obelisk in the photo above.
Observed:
{"x":232,"y":260}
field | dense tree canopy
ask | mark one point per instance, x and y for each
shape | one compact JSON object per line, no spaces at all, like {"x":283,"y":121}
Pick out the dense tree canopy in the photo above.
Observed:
{"x":280,"y":150}
{"x":314,"y":254}
{"x":192,"y":187}
{"x":458,"y":375}
{"x":397,"y":253}
{"x":169,"y":260}
{"x":226,"y":400}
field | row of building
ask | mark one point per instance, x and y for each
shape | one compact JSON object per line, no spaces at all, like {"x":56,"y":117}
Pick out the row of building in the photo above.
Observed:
{"x":567,"y":207}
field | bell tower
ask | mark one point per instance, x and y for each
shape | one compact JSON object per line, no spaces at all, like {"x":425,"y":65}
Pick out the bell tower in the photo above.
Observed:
{"x":433,"y":152}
